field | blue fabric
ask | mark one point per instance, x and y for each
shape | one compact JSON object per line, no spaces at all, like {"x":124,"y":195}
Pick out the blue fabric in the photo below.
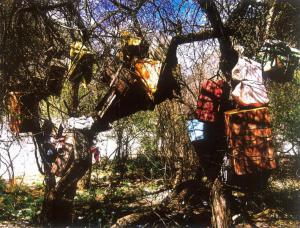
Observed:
{"x":195,"y":130}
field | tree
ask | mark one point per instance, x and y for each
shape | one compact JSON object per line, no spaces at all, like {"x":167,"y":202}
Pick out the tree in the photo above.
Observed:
{"x":33,"y":33}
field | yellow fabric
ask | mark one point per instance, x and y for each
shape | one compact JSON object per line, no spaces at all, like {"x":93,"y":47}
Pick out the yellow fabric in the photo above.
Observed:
{"x":78,"y":54}
{"x":129,"y":39}
{"x":148,"y":70}
{"x":230,"y":112}
{"x":78,"y":48}
{"x":134,"y":41}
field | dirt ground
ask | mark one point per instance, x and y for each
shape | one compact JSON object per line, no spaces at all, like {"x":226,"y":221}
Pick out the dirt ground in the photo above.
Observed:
{"x":149,"y":203}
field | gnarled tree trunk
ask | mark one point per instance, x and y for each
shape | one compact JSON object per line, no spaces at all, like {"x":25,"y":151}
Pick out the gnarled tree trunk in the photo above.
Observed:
{"x":57,"y":208}
{"x":229,"y":57}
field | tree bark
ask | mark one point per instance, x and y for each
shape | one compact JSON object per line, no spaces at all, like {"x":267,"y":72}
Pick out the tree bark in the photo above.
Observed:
{"x":220,"y":206}
{"x":219,"y":201}
{"x":57,"y":207}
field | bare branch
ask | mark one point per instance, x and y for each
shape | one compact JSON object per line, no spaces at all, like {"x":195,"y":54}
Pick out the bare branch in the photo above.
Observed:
{"x":229,"y":56}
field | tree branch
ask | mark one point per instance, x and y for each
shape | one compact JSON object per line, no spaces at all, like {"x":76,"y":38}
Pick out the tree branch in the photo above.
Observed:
{"x":34,"y":7}
{"x":239,"y":12}
{"x":229,"y":56}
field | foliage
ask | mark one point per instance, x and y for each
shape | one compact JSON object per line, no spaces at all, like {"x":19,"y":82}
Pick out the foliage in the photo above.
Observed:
{"x":146,"y":166}
{"x":19,"y":202}
{"x":285,"y":108}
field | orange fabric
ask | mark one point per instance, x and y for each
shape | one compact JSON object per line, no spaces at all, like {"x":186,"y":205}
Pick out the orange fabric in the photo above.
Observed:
{"x":148,"y":71}
{"x":15,"y":111}
{"x":250,"y":140}
{"x":23,"y":109}
{"x":141,"y":70}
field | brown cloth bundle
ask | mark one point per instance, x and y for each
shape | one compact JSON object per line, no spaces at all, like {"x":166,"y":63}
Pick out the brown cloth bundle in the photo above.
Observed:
{"x":23,"y":109}
{"x":249,"y":138}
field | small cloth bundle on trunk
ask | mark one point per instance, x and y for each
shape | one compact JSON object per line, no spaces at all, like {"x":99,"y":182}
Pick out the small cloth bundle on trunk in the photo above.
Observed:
{"x":59,"y":152}
{"x":196,"y":130}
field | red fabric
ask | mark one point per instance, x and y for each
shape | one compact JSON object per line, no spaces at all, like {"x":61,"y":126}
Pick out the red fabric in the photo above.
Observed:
{"x":205,"y":103}
{"x":94,"y":150}
{"x":209,"y":100}
{"x":213,"y":87}
{"x":206,"y":116}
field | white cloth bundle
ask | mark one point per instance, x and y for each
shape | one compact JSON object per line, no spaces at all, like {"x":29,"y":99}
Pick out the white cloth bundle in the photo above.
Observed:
{"x":80,"y":123}
{"x":251,"y":90}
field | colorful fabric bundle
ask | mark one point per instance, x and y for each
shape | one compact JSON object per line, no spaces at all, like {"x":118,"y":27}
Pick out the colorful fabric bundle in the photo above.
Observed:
{"x":209,"y":100}
{"x":250,"y":91}
{"x":133,"y":46}
{"x":95,"y":151}
{"x":81,"y":65}
{"x":250,"y":140}
{"x":23,"y":109}
{"x":60,"y":152}
{"x":148,"y":71}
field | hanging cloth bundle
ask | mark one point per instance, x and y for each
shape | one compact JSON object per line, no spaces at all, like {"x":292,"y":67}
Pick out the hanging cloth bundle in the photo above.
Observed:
{"x":209,"y":99}
{"x":135,"y":76}
{"x":81,"y":66}
{"x":55,"y":74}
{"x":279,"y":61}
{"x":250,"y":91}
{"x":23,"y":109}
{"x":64,"y":148}
{"x":148,"y":72}
{"x":58,"y":148}
{"x":209,"y":144}
{"x":249,"y":140}
{"x":133,"y":46}
{"x":195,"y":130}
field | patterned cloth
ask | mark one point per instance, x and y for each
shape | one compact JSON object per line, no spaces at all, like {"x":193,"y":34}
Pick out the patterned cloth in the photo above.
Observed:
{"x":209,"y":100}
{"x":63,"y":152}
